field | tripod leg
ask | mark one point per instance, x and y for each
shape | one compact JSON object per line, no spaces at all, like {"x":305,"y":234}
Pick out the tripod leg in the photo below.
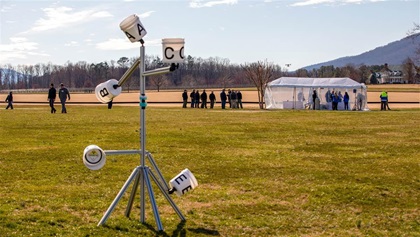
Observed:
{"x":152,"y":161}
{"x":118,"y":197}
{"x":132,"y":195}
{"x":142,"y":204}
{"x":146,"y":170}
{"x":165,"y":193}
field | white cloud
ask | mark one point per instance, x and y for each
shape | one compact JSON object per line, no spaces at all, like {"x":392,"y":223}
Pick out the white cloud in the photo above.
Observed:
{"x":124,"y":44}
{"x":18,"y":48}
{"x":311,"y":2}
{"x":61,"y":17}
{"x":72,"y":44}
{"x":116,"y":44}
{"x":200,"y":3}
{"x":5,"y":8}
{"x":146,"y":14}
{"x":302,"y":3}
{"x":17,"y":44}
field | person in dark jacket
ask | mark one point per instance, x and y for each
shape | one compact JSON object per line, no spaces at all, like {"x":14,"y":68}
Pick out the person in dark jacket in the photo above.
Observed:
{"x":203,"y":99}
{"x":212,"y":98}
{"x":184,"y":99}
{"x":314,"y":96}
{"x":346,"y":99}
{"x":233,"y":99}
{"x":197,"y":99}
{"x":192,"y":97}
{"x":229,"y":99}
{"x":223,"y":98}
{"x":9,"y":100}
{"x":239,"y":98}
{"x":52,"y":94}
{"x":335,"y":101}
{"x":63,"y":94}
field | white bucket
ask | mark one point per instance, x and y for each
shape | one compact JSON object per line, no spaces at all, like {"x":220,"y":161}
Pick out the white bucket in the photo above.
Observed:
{"x":133,"y":28}
{"x":183,"y":182}
{"x":105,"y":92}
{"x":173,"y":50}
{"x":94,"y":157}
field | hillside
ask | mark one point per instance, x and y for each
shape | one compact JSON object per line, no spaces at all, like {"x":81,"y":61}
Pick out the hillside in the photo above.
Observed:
{"x":393,"y":53}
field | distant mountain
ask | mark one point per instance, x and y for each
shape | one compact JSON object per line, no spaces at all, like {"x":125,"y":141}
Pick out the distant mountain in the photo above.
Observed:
{"x":9,"y":73}
{"x":393,"y":53}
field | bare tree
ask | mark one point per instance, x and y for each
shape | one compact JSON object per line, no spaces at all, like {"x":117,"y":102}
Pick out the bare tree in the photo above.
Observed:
{"x":158,"y":81}
{"x":415,"y":32}
{"x":409,"y":71}
{"x":259,"y":73}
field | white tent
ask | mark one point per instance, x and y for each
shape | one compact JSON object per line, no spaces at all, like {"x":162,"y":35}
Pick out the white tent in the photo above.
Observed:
{"x":296,"y":93}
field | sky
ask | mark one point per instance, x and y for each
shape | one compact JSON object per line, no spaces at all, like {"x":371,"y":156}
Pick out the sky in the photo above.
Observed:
{"x":290,"y":33}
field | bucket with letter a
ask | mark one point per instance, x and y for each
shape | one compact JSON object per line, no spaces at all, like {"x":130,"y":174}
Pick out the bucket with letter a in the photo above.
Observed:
{"x":183,"y":182}
{"x":133,"y":28}
{"x":173,"y":50}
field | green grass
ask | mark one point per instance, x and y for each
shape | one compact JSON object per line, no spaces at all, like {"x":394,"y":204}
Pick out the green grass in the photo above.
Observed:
{"x":260,"y":173}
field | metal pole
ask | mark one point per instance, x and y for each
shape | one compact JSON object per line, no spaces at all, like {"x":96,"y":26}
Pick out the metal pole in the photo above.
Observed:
{"x":129,"y":72}
{"x":146,"y":172}
{"x":119,"y":195}
{"x":133,"y":194}
{"x":157,"y":71}
{"x":142,"y":131}
{"x":121,"y":152}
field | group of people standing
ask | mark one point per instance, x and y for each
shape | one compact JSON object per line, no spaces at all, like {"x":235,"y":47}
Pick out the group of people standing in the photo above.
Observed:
{"x":332,"y":97}
{"x":336,"y":98}
{"x":197,"y":100}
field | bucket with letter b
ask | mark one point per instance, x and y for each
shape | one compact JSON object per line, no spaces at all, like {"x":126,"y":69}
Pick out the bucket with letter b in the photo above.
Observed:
{"x":106,"y":91}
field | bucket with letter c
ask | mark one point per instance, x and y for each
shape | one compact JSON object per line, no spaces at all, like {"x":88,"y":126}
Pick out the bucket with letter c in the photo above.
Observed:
{"x":173,"y":50}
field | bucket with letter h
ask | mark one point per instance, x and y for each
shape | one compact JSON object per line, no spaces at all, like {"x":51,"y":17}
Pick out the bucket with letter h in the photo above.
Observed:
{"x":183,"y":182}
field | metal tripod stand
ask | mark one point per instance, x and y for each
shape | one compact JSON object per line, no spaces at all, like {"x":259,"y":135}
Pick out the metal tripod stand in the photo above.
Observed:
{"x":142,"y":174}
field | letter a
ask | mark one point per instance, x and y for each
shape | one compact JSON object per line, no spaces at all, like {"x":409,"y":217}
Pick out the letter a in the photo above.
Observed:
{"x":140,"y":29}
{"x":129,"y":36}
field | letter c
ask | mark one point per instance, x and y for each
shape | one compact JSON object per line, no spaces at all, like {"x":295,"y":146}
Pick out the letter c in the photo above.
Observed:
{"x":166,"y":54}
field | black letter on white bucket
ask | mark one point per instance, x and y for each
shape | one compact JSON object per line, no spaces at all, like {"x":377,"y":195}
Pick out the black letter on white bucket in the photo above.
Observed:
{"x":129,"y":36}
{"x":186,"y":189}
{"x":140,"y":29}
{"x":181,"y":52}
{"x":104,"y":92}
{"x":166,"y":55}
{"x":180,"y":178}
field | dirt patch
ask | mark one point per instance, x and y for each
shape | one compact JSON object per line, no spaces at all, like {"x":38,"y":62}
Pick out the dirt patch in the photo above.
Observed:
{"x":174,"y":98}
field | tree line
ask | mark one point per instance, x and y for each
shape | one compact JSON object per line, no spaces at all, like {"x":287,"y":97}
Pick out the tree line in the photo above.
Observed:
{"x":196,"y":72}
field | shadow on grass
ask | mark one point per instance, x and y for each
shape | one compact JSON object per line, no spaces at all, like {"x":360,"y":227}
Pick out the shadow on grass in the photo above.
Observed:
{"x":205,"y":231}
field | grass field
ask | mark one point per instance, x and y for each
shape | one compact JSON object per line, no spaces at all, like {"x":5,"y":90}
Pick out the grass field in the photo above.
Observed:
{"x":260,"y":173}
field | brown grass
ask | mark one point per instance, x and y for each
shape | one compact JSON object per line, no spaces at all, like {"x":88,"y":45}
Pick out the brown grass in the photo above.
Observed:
{"x":397,"y":93}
